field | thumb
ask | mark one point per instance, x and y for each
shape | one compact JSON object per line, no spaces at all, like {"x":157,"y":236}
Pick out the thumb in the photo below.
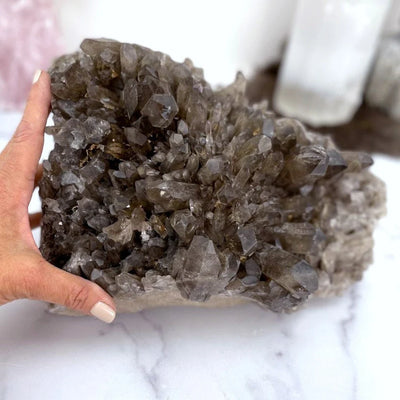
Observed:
{"x":21,"y":156}
{"x":57,"y":286}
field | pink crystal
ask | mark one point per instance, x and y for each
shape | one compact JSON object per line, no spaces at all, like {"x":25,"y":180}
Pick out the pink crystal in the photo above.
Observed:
{"x":29,"y":40}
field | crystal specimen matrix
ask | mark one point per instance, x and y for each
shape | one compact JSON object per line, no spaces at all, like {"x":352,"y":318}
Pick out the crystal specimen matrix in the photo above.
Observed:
{"x":165,"y":191}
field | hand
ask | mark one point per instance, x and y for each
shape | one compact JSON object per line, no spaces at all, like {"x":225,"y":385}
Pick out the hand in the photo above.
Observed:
{"x":24,"y":273}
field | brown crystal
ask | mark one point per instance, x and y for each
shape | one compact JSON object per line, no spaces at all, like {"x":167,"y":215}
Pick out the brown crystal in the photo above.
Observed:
{"x":161,"y":187}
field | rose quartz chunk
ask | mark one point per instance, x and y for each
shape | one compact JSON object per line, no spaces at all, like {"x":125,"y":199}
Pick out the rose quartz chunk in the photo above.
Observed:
{"x":29,"y":40}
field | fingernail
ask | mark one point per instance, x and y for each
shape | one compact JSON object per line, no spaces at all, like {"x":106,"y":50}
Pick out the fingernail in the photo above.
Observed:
{"x":103,"y":312}
{"x":36,"y":76}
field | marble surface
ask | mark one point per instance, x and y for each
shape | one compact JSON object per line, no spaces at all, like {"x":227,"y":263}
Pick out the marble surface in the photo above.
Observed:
{"x":340,"y":348}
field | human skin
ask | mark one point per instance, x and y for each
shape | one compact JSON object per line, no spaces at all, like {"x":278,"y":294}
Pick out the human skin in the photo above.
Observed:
{"x":24,"y":273}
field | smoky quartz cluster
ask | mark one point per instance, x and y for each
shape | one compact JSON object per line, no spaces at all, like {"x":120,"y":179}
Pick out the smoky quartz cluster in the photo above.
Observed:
{"x":160,"y":187}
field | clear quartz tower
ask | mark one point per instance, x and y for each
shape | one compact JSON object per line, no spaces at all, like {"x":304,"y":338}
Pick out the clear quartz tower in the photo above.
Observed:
{"x":327,"y":60}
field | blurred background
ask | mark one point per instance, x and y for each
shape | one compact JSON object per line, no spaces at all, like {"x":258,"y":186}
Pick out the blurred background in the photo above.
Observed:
{"x":219,"y":36}
{"x":328,"y":47}
{"x":333,"y":64}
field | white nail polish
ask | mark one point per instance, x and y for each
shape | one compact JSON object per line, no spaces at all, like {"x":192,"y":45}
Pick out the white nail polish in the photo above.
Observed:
{"x":103,"y":312}
{"x":36,"y":76}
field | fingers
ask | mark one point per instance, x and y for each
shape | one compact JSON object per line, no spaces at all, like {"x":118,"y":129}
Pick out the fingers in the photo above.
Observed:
{"x":32,"y":277}
{"x":54,"y":285}
{"x":21,"y":156}
{"x":35,"y":219}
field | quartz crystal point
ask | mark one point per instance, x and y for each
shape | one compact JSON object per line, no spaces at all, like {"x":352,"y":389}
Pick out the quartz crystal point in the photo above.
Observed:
{"x":328,"y":58}
{"x":165,"y":191}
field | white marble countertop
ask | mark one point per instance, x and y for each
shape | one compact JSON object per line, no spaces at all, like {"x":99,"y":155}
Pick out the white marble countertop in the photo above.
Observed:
{"x":335,"y":349}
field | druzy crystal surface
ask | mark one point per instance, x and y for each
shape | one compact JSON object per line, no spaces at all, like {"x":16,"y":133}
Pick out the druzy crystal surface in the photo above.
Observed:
{"x":160,"y":187}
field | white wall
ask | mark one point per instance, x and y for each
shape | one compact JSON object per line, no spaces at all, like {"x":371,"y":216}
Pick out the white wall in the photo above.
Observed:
{"x":221,"y":36}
